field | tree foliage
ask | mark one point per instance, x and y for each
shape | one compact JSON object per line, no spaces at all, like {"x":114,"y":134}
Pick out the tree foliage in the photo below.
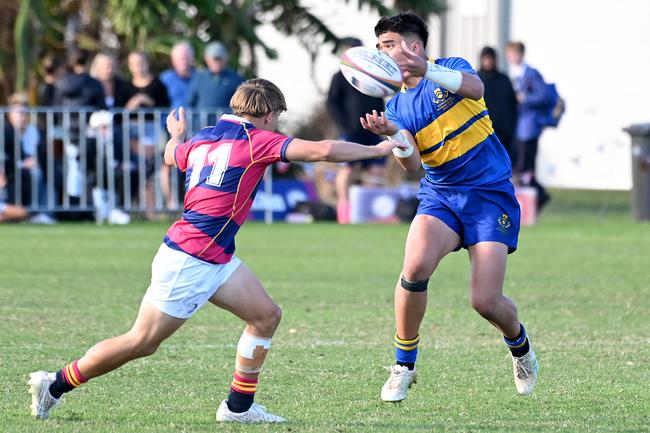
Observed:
{"x":31,"y":28}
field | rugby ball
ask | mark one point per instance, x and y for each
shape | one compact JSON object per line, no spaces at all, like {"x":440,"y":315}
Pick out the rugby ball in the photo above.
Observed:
{"x":371,"y":72}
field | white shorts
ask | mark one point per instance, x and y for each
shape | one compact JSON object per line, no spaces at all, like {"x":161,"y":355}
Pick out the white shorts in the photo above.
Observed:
{"x":181,"y":284}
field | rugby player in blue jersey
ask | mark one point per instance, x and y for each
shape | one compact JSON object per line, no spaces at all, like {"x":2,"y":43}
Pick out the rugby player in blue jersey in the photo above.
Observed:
{"x":466,"y":197}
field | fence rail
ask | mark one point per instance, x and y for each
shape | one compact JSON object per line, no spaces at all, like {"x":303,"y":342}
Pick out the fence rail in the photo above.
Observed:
{"x":56,"y":159}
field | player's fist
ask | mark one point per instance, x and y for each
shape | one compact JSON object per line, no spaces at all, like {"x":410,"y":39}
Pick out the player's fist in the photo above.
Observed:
{"x":378,"y":124}
{"x":177,"y":127}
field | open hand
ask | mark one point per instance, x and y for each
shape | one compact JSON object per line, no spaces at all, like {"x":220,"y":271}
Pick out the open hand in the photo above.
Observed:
{"x":409,"y":62}
{"x":177,"y":127}
{"x":378,"y":124}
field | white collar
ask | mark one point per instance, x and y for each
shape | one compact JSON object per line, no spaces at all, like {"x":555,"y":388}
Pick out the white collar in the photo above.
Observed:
{"x":233,"y":118}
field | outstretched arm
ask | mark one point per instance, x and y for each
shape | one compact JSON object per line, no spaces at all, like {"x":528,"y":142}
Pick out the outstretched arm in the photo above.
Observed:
{"x":336,"y":150}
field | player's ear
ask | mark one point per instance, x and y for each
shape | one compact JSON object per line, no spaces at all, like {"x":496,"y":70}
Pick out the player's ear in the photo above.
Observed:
{"x":417,"y":48}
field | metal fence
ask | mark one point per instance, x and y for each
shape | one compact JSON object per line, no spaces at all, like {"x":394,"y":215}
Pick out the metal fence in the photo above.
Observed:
{"x":58,"y":159}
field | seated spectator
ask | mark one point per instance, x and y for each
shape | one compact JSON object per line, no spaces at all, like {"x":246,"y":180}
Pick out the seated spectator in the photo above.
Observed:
{"x":108,"y":193}
{"x":213,"y":88}
{"x":9,"y":212}
{"x":24,"y":151}
{"x":177,"y":79}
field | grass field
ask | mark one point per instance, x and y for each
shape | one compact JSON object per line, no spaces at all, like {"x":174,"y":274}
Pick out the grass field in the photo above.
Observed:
{"x":581,"y":279}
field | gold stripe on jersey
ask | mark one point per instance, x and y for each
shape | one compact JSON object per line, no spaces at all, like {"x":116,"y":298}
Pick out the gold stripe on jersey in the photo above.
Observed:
{"x":461,"y":144}
{"x":448,"y":122}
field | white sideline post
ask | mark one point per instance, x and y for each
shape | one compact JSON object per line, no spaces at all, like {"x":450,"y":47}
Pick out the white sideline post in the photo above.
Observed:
{"x":268,"y":189}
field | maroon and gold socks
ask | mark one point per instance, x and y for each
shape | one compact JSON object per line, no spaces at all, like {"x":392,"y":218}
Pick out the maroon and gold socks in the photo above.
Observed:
{"x":67,"y":379}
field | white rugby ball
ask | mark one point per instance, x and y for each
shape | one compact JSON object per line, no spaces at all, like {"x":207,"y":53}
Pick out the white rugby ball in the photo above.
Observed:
{"x":371,"y":72}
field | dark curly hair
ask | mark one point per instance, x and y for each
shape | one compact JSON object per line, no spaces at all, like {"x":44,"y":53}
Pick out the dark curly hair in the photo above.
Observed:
{"x":405,"y":22}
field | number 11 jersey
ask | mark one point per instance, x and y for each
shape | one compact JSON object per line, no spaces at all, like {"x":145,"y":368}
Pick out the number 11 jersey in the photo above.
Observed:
{"x":224,"y":165}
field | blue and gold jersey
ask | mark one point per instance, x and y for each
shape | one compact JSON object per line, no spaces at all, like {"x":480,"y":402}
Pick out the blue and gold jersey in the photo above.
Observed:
{"x":454,"y":134}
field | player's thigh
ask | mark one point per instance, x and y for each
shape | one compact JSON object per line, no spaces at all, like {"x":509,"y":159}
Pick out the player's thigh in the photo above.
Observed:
{"x":153,"y":326}
{"x":488,"y":260}
{"x":244,"y":296}
{"x":429,"y":240}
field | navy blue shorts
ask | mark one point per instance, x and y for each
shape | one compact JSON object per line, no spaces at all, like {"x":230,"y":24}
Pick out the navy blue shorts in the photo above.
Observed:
{"x":476,"y":214}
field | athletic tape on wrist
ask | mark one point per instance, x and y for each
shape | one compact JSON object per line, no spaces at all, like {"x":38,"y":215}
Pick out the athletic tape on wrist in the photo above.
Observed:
{"x":445,"y":77}
{"x":400,"y":137}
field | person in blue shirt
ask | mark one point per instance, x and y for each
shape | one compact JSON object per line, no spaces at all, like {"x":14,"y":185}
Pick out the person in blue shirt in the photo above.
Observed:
{"x":533,"y":99}
{"x":212,"y":89}
{"x":466,"y":197}
{"x":177,"y":79}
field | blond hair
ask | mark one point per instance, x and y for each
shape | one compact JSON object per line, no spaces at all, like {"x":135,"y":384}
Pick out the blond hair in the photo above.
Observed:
{"x":19,"y":99}
{"x":94,"y":66}
{"x":517,"y":46}
{"x":256,"y":98}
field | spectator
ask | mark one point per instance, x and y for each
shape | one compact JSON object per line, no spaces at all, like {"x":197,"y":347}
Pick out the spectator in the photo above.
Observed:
{"x":117,"y":93}
{"x":532,"y":96}
{"x":77,"y":89}
{"x":51,"y":67}
{"x":24,"y":149}
{"x":177,"y":79}
{"x":345,"y":105}
{"x":147,"y":91}
{"x":500,"y":100}
{"x":9,"y":212}
{"x":116,"y":90}
{"x":213,"y":88}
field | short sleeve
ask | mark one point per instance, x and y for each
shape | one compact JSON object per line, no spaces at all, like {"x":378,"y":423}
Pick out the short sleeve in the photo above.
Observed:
{"x":391,"y":114}
{"x":181,"y":154}
{"x":457,"y":64}
{"x":270,"y":146}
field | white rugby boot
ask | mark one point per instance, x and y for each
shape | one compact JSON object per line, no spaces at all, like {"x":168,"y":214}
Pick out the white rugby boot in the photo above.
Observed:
{"x":398,"y":384}
{"x":525,"y":372}
{"x":39,"y":387}
{"x":256,"y":414}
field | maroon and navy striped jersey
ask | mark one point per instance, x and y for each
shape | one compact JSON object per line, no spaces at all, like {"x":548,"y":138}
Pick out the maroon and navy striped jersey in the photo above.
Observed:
{"x":223,"y":167}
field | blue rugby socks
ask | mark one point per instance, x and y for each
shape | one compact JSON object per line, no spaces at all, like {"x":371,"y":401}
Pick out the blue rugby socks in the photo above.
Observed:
{"x":406,"y":351}
{"x":519,"y":346}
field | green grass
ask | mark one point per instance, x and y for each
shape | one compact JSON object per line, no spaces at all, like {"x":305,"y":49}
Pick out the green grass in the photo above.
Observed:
{"x":580,"y":278}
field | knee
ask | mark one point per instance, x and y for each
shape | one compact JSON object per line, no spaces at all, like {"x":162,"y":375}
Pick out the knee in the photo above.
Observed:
{"x":483,"y":305}
{"x":269,"y":320}
{"x":142,"y":345}
{"x":417,"y":271}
